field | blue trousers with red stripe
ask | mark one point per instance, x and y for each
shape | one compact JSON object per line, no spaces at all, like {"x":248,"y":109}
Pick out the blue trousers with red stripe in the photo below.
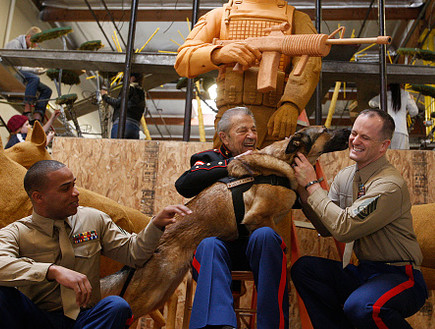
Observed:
{"x":17,"y":311}
{"x":370,"y":295}
{"x":264,"y":254}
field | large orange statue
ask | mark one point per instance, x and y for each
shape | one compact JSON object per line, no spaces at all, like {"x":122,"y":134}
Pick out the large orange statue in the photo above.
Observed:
{"x":276,"y":112}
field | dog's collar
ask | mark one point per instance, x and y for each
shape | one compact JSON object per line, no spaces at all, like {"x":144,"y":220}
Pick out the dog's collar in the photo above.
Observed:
{"x":273,"y":180}
{"x":233,"y":182}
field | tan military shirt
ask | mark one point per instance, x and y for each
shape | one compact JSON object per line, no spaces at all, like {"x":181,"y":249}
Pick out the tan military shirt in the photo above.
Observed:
{"x":379,"y":221}
{"x":30,"y":245}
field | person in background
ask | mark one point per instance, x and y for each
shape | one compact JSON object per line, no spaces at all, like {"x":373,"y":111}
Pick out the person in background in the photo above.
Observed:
{"x":19,"y":125}
{"x":399,"y":104}
{"x":34,"y":106}
{"x":53,"y":257}
{"x":262,"y":251}
{"x":369,"y":208}
{"x":135,"y":108}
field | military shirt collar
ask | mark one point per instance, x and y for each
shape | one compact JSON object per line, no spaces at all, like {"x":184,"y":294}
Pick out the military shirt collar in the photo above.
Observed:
{"x":225,"y":152}
{"x":372,"y":168}
{"x":45,"y":225}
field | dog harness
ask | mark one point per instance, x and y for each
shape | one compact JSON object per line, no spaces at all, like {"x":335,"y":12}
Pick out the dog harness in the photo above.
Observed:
{"x":238,"y":186}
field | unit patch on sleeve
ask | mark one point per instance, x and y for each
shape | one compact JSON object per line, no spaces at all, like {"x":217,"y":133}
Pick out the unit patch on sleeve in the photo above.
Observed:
{"x":85,"y":236}
{"x":366,"y":207}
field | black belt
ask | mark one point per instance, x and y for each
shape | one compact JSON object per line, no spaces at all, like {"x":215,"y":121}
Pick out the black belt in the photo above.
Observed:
{"x":395,"y":263}
{"x":402,"y":263}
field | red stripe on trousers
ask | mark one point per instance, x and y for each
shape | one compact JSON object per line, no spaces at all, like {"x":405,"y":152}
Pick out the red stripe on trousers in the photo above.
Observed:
{"x":282,"y":283}
{"x":196,"y":265}
{"x":129,"y":321}
{"x":390,"y":294}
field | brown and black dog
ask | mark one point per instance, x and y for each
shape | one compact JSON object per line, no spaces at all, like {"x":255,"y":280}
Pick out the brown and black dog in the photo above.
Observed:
{"x":266,"y":205}
{"x":213,"y":215}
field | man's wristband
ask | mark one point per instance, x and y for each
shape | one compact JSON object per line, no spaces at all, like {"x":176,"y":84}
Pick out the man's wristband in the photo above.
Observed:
{"x":311,"y":183}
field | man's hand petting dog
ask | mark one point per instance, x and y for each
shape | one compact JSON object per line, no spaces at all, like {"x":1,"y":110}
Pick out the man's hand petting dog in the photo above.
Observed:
{"x":304,"y":174}
{"x":166,"y":216}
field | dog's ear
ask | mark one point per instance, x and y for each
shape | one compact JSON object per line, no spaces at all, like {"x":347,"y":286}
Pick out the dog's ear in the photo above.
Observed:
{"x":37,"y":135}
{"x":294,"y":143}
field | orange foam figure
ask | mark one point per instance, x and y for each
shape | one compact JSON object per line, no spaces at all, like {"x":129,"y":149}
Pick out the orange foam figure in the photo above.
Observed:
{"x":276,"y":111}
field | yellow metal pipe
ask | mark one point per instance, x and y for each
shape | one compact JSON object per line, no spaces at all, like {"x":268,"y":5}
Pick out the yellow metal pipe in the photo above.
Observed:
{"x":362,"y":50}
{"x":118,"y":76}
{"x":149,"y":39}
{"x":145,"y":128}
{"x":200,"y":117}
{"x":117,"y":42}
{"x":331,"y":110}
{"x":175,"y":42}
{"x":182,"y":37}
{"x":188,"y":24}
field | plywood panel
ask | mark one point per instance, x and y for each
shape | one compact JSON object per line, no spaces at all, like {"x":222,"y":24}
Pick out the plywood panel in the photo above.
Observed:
{"x":123,"y":170}
{"x":174,"y":159}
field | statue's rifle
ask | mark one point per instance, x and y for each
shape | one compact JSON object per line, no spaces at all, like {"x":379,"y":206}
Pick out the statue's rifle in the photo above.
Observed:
{"x":304,"y":45}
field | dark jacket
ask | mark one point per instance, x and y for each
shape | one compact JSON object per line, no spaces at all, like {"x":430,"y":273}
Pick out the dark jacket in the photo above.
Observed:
{"x":15,"y":140}
{"x":135,"y":104}
{"x":207,"y":167}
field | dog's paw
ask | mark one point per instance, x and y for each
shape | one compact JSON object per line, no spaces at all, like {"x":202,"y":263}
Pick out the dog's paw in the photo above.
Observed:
{"x":239,"y":168}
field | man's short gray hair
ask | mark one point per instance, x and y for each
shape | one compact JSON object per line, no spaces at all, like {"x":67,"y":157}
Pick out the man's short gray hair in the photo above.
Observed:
{"x":225,"y":122}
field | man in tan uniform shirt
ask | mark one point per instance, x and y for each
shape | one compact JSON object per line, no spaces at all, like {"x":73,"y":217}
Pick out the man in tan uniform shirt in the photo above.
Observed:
{"x":368,"y":207}
{"x":275,"y":112}
{"x":33,"y":254}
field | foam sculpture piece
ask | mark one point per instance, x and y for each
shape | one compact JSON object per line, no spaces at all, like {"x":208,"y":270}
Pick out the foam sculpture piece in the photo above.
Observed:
{"x":425,"y":90}
{"x":92,"y":45}
{"x":50,"y":34}
{"x":423,"y":54}
{"x":67,"y":99}
{"x":69,"y":77}
{"x":275,"y":111}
